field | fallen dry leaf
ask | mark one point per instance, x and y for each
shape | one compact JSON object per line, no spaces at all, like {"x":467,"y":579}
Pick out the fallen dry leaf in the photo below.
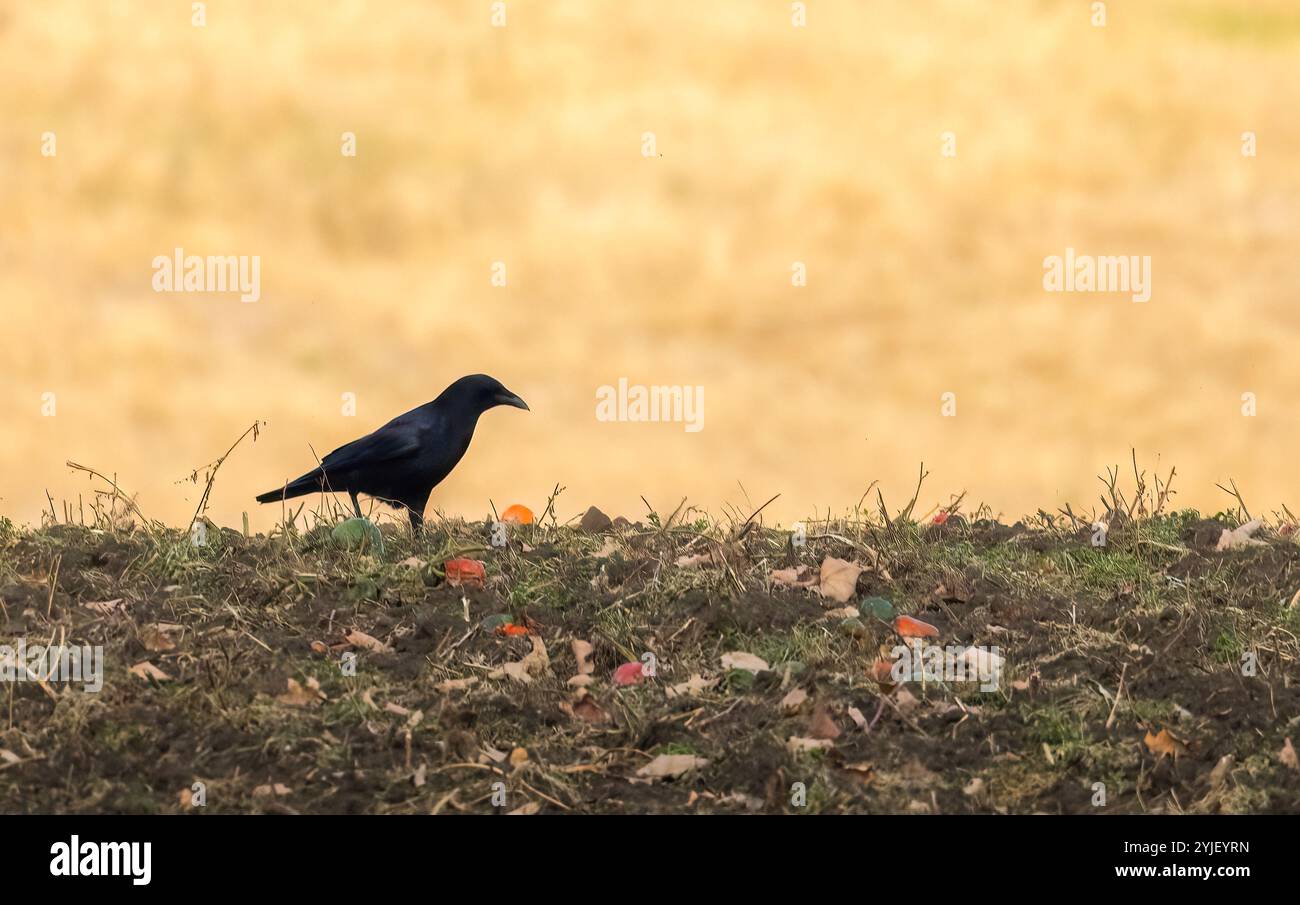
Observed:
{"x":156,"y":640}
{"x":738,"y":659}
{"x":794,"y":700}
{"x":697,"y":560}
{"x":457,"y":684}
{"x":863,"y":771}
{"x":300,"y":696}
{"x":146,"y":670}
{"x":794,"y":577}
{"x":1220,"y":772}
{"x":1240,"y":537}
{"x":667,"y":766}
{"x":1164,"y":743}
{"x":905,"y":701}
{"x":838,"y":580}
{"x":358,"y":638}
{"x":794,"y":744}
{"x":588,"y":710}
{"x":534,"y":664}
{"x":271,"y":789}
{"x":1288,"y":756}
{"x":582,"y":651}
{"x":608,"y":548}
{"x":883,"y":672}
{"x":104,"y":607}
{"x":820,"y":724}
{"x":694,"y":685}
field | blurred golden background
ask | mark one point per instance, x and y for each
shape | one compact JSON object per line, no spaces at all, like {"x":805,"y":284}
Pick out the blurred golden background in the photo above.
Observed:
{"x":775,"y":144}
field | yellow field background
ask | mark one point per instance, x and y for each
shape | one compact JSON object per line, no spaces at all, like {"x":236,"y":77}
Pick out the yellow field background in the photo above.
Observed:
{"x":777,"y":144}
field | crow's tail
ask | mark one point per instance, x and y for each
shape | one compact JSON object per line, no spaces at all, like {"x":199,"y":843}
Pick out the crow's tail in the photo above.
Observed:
{"x":308,"y":483}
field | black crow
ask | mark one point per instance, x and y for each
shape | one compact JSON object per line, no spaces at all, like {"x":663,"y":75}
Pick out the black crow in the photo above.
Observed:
{"x":405,"y":459}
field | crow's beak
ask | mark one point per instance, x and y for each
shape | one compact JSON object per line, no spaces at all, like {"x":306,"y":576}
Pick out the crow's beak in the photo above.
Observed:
{"x":512,"y":400}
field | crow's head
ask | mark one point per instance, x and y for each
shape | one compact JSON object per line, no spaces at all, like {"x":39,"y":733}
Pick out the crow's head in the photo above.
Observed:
{"x":480,"y":392}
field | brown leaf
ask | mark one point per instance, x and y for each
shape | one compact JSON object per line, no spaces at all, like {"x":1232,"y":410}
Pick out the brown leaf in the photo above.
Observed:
{"x":156,"y":640}
{"x":794,"y":744}
{"x":588,"y":710}
{"x":838,"y":580}
{"x":582,"y":651}
{"x":697,"y":560}
{"x":739,"y":659}
{"x":820,"y":724}
{"x":298,"y":696}
{"x":958,"y":591}
{"x":1164,"y":743}
{"x":795,"y":577}
{"x":1288,"y":756}
{"x":457,"y":684}
{"x":146,"y":670}
{"x":694,"y":685}
{"x":1240,"y":537}
{"x":271,"y":789}
{"x":794,"y":700}
{"x":536,"y":663}
{"x":104,"y":607}
{"x":863,"y":771}
{"x":358,"y":638}
{"x":667,"y":766}
{"x":1220,"y":772}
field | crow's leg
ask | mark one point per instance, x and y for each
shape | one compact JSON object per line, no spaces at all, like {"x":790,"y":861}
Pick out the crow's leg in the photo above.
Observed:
{"x":417,"y":521}
{"x":355,"y":503}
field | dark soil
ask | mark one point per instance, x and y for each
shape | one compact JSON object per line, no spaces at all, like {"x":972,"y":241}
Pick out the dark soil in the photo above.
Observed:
{"x":1105,"y":649}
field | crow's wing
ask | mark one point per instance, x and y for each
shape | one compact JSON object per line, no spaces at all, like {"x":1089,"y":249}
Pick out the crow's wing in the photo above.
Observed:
{"x":390,"y":443}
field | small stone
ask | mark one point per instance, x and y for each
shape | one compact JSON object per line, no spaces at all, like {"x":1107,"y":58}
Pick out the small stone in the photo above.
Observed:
{"x":594,"y":521}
